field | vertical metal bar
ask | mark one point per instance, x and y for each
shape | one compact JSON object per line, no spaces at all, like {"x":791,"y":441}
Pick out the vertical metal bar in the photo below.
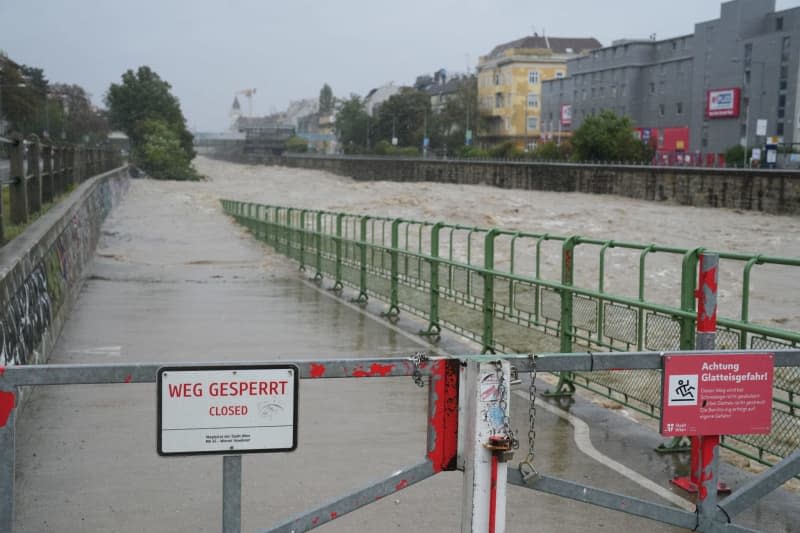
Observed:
{"x":394,"y":308}
{"x":746,"y":297}
{"x":433,"y":311}
{"x":485,"y":400}
{"x":48,"y":185}
{"x":337,"y":284}
{"x":231,"y":494}
{"x":567,"y":277}
{"x":640,"y":313}
{"x":303,"y":239}
{"x":488,"y":291}
{"x":318,"y":240}
{"x":688,"y":287}
{"x":601,"y":284}
{"x":7,"y":458}
{"x":34,"y":156}
{"x":362,"y":260}
{"x":18,"y":190}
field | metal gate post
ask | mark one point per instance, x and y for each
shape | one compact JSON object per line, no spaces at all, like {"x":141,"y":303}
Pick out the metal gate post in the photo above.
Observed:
{"x":394,"y":308}
{"x":337,"y":282}
{"x":231,"y":494}
{"x":362,"y":261}
{"x":433,"y":314}
{"x":485,"y":416}
{"x":8,"y":401}
{"x":488,"y":292}
{"x":318,"y":242}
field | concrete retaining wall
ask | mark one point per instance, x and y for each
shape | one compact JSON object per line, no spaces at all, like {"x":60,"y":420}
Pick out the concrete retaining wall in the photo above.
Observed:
{"x":772,"y":191}
{"x":41,"y":271}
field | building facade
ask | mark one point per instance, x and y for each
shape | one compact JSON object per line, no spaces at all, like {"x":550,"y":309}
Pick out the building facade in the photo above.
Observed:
{"x":510,"y":79}
{"x":734,"y":80}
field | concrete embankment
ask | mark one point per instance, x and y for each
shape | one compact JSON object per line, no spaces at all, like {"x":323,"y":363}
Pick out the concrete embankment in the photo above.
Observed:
{"x":770,"y":191}
{"x":42,"y":269}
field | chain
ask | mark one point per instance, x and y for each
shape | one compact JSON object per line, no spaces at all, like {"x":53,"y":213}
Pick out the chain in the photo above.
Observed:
{"x":526,"y":467}
{"x":503,"y":405}
{"x":417,"y":359}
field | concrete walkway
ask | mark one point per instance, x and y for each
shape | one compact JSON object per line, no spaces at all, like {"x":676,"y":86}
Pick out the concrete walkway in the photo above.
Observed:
{"x":174,"y":280}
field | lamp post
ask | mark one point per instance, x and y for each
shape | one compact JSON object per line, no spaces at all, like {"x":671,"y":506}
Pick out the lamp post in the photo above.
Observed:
{"x":746,"y":63}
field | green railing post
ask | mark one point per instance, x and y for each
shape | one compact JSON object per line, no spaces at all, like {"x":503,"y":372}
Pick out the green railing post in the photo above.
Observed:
{"x":537,"y":275}
{"x":394,"y":308}
{"x":488,"y":291}
{"x":688,"y":289}
{"x":434,"y":329}
{"x":337,"y":285}
{"x":601,"y":285}
{"x":745,"y":316}
{"x":289,"y":231}
{"x":18,"y":189}
{"x":640,"y":325}
{"x":303,"y":239}
{"x":362,"y":262}
{"x":318,"y":240}
{"x":566,"y":385}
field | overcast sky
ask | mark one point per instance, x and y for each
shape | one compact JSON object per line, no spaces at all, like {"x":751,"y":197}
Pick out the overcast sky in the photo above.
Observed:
{"x":210,"y":49}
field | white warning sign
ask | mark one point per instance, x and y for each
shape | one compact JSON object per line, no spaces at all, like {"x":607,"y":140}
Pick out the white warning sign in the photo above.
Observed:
{"x":682,"y":389}
{"x":207,"y":410}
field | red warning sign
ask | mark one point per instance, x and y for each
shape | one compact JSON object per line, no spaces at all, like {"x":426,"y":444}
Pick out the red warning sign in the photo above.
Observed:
{"x":727,"y":394}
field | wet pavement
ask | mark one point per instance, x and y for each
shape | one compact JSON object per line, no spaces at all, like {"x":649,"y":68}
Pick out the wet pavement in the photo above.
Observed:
{"x":175,"y":280}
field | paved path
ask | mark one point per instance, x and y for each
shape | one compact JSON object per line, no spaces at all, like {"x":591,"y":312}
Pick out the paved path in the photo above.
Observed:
{"x":175,"y":280}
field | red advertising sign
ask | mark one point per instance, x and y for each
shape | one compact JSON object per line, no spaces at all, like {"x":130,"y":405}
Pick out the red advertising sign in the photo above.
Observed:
{"x":716,"y":395}
{"x":723,"y":103}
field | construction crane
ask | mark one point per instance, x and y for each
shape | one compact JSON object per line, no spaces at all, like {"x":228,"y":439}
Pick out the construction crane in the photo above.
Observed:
{"x":248,"y":93}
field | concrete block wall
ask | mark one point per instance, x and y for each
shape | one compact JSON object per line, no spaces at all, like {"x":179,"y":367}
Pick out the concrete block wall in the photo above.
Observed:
{"x":771,"y":191}
{"x":42,"y":270}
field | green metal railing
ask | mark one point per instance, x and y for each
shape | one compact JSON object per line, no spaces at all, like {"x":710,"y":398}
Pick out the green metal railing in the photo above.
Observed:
{"x":515,"y":291}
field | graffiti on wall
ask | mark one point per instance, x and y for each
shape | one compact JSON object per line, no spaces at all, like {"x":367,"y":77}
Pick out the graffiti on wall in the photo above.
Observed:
{"x":29,"y":310}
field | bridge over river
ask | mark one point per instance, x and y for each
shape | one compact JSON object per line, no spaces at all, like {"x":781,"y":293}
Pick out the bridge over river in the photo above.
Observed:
{"x":174,"y":279}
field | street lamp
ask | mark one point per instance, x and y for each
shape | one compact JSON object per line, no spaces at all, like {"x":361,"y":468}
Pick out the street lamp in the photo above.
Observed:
{"x":745,"y":84}
{"x":2,"y":119}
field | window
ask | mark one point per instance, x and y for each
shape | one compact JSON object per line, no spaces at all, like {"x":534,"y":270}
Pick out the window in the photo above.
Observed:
{"x":584,"y":94}
{"x":533,"y":77}
{"x":594,"y":92}
{"x":661,"y":87}
{"x":533,"y":100}
{"x":497,"y":78}
{"x":559,"y":74}
{"x":652,"y":88}
{"x":674,"y":45}
{"x":787,"y":44}
{"x":533,"y":123}
{"x":679,"y":108}
{"x":779,"y":128}
{"x":660,"y":110}
{"x":498,"y":100}
{"x":747,"y":77}
{"x":602,"y":92}
{"x":623,"y":89}
{"x":613,"y":90}
{"x":662,"y":68}
{"x":779,"y":24}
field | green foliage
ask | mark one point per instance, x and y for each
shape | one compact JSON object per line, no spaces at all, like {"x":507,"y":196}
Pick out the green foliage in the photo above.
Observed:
{"x":506,"y":150}
{"x":384,"y":147}
{"x":159,"y":152}
{"x":405,"y":115}
{"x":76,"y":120}
{"x":326,"y":99}
{"x":734,"y":156}
{"x":352,"y":124}
{"x":551,"y":151}
{"x":469,"y":152}
{"x":297,"y":145}
{"x":608,"y":137}
{"x":143,"y":107}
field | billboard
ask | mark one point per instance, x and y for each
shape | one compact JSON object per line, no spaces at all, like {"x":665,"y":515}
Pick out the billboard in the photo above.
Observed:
{"x":566,"y":114}
{"x":723,"y":103}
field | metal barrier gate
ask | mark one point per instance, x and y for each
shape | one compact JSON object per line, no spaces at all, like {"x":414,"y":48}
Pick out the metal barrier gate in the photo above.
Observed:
{"x":468,"y":429}
{"x":494,"y":286}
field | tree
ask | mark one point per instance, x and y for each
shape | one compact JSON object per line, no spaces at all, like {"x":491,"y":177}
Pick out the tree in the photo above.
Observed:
{"x":352,"y":123}
{"x":143,"y":96}
{"x":405,"y":115}
{"x":607,"y":137}
{"x":326,"y":100}
{"x":143,"y":107}
{"x":73,"y":114}
{"x":159,"y":151}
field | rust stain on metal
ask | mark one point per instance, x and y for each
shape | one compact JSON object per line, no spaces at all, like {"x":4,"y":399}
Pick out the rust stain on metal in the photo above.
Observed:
{"x":7,"y":403}
{"x":376,"y":369}
{"x":317,"y":370}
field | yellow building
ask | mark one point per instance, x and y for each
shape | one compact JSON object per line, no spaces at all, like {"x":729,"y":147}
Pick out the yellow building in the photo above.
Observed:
{"x":509,"y":84}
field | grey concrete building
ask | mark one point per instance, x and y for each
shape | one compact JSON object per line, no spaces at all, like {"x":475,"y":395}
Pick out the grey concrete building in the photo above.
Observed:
{"x":702,"y":92}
